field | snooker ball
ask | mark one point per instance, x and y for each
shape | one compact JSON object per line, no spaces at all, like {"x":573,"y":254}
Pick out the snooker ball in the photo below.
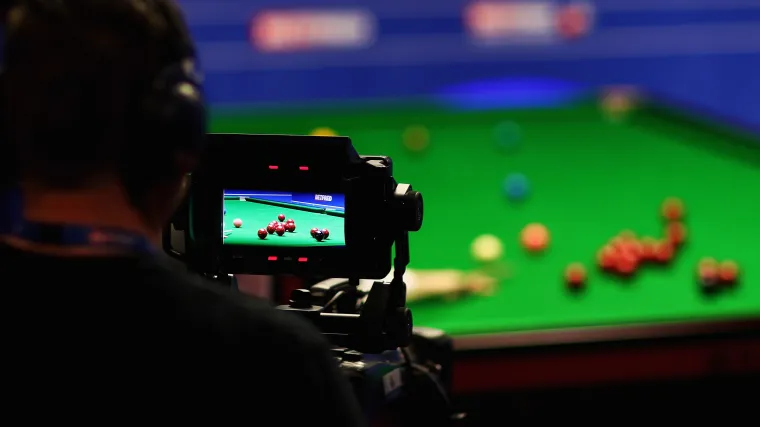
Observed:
{"x":626,"y":263}
{"x":281,"y":217}
{"x":487,"y":248}
{"x":225,"y":211}
{"x":507,"y":136}
{"x":323,"y":131}
{"x":672,"y":209}
{"x":416,"y":138}
{"x":237,"y":223}
{"x":708,"y":278}
{"x":271,"y":228}
{"x":648,"y":246}
{"x":607,"y":257}
{"x":676,"y":233}
{"x":663,"y":251}
{"x":325,"y":233}
{"x":280,"y":230}
{"x":290,"y":227}
{"x":313,"y":231}
{"x":534,"y":237}
{"x":262,"y":233}
{"x":290,"y":220}
{"x":728,"y":273}
{"x":575,"y":276}
{"x":319,"y":236}
{"x":516,"y":187}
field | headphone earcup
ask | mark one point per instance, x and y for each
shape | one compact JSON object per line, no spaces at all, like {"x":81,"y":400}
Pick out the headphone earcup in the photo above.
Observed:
{"x":175,"y":116}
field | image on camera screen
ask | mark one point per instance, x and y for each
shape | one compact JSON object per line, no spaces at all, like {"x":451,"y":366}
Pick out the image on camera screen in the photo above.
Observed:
{"x":275,"y":218}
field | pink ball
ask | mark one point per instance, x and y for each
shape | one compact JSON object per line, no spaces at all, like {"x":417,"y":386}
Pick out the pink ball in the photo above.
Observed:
{"x":237,"y":223}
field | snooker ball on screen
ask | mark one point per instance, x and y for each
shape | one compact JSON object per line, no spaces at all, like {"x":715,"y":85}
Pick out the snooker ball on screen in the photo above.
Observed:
{"x":262,"y":233}
{"x":325,"y":233}
{"x":281,"y":217}
{"x":319,"y":236}
{"x":271,"y":228}
{"x":313,"y":231}
{"x":290,"y":227}
{"x":237,"y":223}
{"x":280,"y":230}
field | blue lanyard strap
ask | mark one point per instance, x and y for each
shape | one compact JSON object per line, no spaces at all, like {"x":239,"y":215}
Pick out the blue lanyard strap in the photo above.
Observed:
{"x":83,"y":236}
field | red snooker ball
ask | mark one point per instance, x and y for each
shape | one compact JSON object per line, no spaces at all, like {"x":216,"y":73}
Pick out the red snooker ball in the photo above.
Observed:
{"x":262,"y":233}
{"x":280,"y":230}
{"x":290,"y":221}
{"x":281,"y":217}
{"x":271,"y":228}
{"x":314,"y":231}
{"x":290,"y":227}
{"x":326,"y":233}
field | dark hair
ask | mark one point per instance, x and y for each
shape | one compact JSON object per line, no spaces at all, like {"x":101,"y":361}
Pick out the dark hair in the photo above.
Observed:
{"x":75,"y":71}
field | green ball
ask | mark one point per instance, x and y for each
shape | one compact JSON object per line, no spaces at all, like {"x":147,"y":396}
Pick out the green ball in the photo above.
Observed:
{"x":507,"y":135}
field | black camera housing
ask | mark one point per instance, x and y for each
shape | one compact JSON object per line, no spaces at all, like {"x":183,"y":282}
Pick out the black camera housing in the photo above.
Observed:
{"x":376,"y":206}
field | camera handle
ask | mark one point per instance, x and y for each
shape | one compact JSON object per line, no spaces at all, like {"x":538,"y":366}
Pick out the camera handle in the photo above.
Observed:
{"x":384,"y":321}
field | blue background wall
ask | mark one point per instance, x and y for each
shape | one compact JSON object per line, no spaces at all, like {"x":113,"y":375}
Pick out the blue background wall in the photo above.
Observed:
{"x":704,"y":53}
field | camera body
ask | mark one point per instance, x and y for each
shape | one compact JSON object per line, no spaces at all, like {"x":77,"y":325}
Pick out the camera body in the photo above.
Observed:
{"x":375,"y":207}
{"x":313,"y":180}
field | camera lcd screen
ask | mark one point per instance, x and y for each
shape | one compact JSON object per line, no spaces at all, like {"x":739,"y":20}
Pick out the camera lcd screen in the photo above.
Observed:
{"x":284,"y":219}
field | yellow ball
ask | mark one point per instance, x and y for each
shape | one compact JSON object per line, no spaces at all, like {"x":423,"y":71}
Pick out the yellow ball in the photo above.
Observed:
{"x":323,"y":132}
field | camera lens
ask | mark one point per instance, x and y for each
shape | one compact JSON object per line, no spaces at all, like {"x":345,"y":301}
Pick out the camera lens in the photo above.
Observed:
{"x":410,"y":207}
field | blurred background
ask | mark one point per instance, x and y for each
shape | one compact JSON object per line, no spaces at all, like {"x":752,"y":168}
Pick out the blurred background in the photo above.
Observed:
{"x":598,"y":161}
{"x":702,"y":52}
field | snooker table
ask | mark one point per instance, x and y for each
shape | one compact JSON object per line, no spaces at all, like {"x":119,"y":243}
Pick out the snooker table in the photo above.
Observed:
{"x":257,"y":213}
{"x":590,"y":177}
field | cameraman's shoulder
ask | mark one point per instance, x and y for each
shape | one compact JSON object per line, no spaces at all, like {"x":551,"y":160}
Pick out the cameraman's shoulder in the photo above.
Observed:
{"x":238,"y":314}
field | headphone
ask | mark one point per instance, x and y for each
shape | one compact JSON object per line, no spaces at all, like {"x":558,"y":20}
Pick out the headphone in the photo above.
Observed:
{"x":174,"y":105}
{"x":171,"y":109}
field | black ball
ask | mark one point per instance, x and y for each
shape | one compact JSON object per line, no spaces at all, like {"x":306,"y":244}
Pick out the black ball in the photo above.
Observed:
{"x":319,"y":236}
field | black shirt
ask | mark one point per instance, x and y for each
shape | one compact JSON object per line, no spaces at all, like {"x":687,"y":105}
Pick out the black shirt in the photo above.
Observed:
{"x":111,"y":339}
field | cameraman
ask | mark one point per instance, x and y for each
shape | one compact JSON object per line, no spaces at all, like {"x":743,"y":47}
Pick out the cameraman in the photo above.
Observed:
{"x":97,"y":328}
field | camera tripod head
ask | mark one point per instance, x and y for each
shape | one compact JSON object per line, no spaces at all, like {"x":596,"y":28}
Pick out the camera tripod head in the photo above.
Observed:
{"x":379,"y":320}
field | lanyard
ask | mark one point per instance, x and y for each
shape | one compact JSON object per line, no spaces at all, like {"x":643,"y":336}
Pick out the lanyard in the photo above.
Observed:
{"x":83,"y":236}
{"x":10,"y":210}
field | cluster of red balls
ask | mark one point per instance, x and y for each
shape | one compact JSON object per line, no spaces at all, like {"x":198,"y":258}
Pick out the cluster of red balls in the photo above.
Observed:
{"x":279,"y":226}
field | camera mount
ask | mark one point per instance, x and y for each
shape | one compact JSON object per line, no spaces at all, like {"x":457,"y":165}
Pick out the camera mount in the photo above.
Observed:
{"x":383,"y":321}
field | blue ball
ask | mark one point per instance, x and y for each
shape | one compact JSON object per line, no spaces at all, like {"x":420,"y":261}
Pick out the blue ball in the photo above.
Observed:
{"x":225,"y":211}
{"x":516,"y":186}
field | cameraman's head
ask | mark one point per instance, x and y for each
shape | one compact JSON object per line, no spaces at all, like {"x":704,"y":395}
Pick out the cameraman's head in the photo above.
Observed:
{"x":103,"y":109}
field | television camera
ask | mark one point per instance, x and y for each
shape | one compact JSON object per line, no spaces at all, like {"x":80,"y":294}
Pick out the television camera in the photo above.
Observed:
{"x":311,"y":206}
